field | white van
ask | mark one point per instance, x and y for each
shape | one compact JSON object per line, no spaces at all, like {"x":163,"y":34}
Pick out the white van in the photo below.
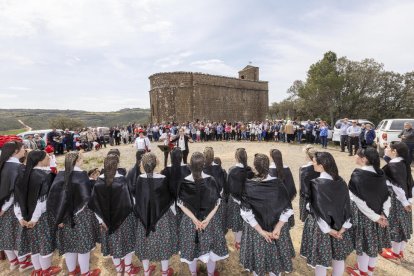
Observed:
{"x":42,"y":133}
{"x":336,"y":137}
{"x":388,"y":131}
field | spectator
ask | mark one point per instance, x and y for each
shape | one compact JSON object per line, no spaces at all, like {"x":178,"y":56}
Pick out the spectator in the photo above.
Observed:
{"x":353,"y":133}
{"x":290,"y":131}
{"x":407,"y":136}
{"x":40,"y":143}
{"x":343,"y":126}
{"x":30,"y":143}
{"x":309,"y":130}
{"x":68,"y":140}
{"x":142,"y":142}
{"x":323,"y":134}
{"x":369,"y":135}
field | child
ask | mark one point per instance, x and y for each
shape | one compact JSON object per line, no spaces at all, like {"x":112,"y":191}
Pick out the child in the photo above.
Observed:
{"x":266,"y":245}
{"x":370,"y":208}
{"x":306,"y":174}
{"x":201,"y":233}
{"x":156,"y":234}
{"x":326,"y":239}
{"x":236,"y":180}
{"x":31,"y":193}
{"x":11,"y":173}
{"x":78,"y":228}
{"x":51,"y":152}
{"x":398,"y":172}
{"x":113,"y":206}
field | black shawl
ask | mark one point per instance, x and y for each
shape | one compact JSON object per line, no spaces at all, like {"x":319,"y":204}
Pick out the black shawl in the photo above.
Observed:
{"x":175,"y":180}
{"x":236,"y":180}
{"x":37,"y":189}
{"x":64,"y":201}
{"x":330,"y":201}
{"x":113,"y":203}
{"x":396,"y":172}
{"x":306,"y":174}
{"x":200,"y":197}
{"x":370,"y":187}
{"x":267,"y":199}
{"x":219,"y":175}
{"x":288,"y":181}
{"x":152,"y":200}
{"x":132,"y":177}
{"x":11,"y":174}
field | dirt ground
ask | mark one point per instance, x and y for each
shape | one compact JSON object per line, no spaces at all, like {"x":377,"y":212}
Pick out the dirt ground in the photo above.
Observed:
{"x":293,"y":157}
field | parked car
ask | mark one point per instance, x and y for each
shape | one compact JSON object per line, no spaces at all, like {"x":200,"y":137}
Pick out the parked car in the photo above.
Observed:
{"x":336,"y":138}
{"x":388,"y":131}
{"x":42,"y":133}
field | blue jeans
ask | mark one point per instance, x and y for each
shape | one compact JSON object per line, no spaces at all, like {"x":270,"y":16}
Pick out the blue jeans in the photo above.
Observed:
{"x":324,"y":141}
{"x":300,"y":137}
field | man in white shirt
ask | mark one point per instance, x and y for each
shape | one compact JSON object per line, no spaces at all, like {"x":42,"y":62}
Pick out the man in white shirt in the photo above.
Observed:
{"x":142,"y":142}
{"x":353,"y":135}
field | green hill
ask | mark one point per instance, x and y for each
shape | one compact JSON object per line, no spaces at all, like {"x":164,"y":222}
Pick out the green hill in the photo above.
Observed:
{"x":39,"y":118}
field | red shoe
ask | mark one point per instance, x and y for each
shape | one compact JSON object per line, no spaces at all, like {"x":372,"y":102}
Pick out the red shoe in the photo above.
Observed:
{"x":150,"y":270}
{"x":216,"y":273}
{"x":76,"y":272}
{"x":26,"y":264}
{"x":401,"y":255}
{"x":237,"y":245}
{"x":36,"y":273}
{"x":391,"y":256}
{"x":371,"y":269}
{"x":169,"y":272}
{"x":354,"y":271}
{"x":14,"y":264}
{"x":131,"y":270}
{"x":53,"y":270}
{"x":95,"y":272}
{"x":121,"y":267}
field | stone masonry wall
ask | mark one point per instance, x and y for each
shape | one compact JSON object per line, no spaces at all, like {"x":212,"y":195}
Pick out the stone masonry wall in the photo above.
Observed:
{"x":182,"y":96}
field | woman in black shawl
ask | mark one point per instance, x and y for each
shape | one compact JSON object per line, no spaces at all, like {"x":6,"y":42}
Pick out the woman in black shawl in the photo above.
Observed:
{"x":11,"y":173}
{"x":112,"y":204}
{"x":306,"y":174}
{"x":370,"y":206}
{"x":31,"y":193}
{"x":266,"y":245}
{"x":279,"y":170}
{"x":326,"y":238}
{"x":201,"y":235}
{"x":236,"y":180}
{"x":156,"y":234}
{"x":78,"y":228}
{"x":400,"y":182}
{"x":219,"y":174}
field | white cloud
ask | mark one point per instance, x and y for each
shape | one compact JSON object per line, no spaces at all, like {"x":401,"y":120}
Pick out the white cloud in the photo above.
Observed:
{"x":106,"y":49}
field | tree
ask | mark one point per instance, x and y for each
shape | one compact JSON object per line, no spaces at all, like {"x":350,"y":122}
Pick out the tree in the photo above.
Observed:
{"x":65,"y":123}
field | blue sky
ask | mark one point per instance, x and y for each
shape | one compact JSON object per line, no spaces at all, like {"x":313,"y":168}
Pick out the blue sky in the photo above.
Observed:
{"x":97,"y":54}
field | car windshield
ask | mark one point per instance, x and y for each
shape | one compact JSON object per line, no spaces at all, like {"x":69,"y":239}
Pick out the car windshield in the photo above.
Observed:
{"x":399,"y":124}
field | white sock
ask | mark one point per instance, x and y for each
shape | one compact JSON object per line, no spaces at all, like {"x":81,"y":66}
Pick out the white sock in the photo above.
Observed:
{"x":10,"y":255}
{"x":145,"y":264}
{"x":211,"y":267}
{"x":36,"y":262}
{"x":363,"y":262}
{"x":338,"y":268}
{"x":238,"y":236}
{"x":128,"y":261}
{"x":117,"y":263}
{"x":403,"y":244}
{"x":396,"y":247}
{"x":83,"y":260}
{"x":255,"y":274}
{"x":372,"y":263}
{"x":320,"y":271}
{"x":71,"y":260}
{"x":46,"y":261}
{"x":164,"y":265}
{"x":193,"y":267}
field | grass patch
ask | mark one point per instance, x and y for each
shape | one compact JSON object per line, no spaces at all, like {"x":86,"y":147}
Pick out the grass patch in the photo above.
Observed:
{"x":12,"y":131}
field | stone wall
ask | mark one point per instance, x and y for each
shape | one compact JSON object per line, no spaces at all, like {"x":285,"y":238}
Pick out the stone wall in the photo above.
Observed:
{"x":182,"y":96}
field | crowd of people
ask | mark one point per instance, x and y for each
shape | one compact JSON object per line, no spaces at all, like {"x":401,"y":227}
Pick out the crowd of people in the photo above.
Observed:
{"x":188,"y":209}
